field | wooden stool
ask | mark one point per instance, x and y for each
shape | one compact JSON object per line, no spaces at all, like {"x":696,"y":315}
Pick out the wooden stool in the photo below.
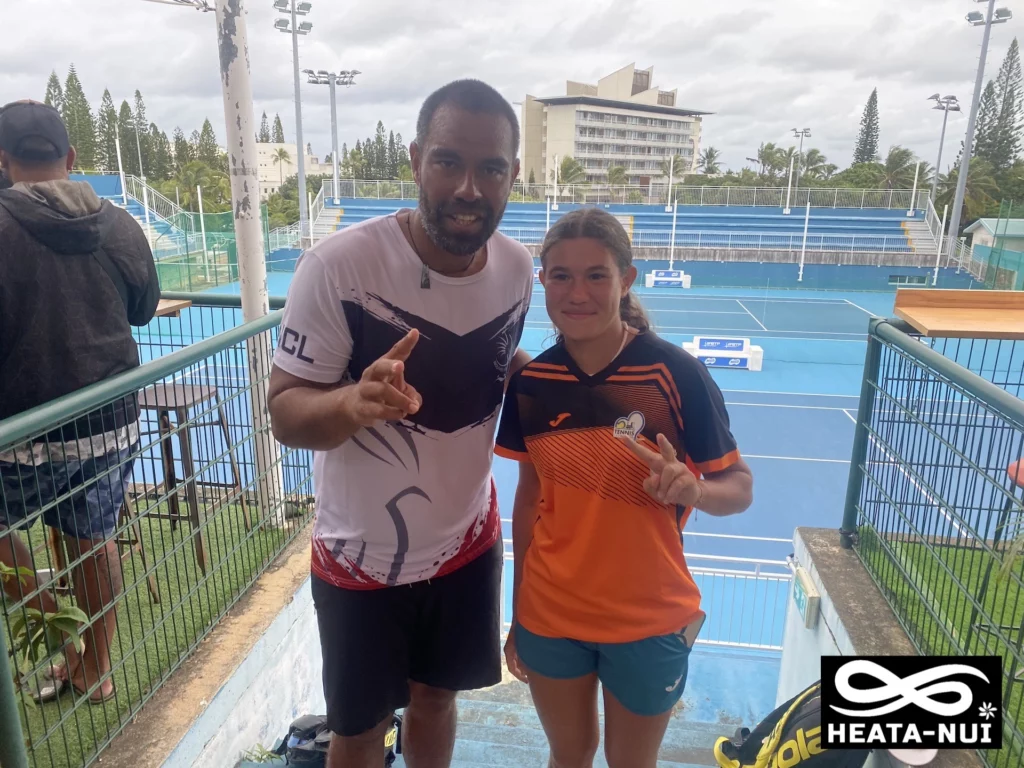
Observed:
{"x":132,"y":539}
{"x":179,"y":398}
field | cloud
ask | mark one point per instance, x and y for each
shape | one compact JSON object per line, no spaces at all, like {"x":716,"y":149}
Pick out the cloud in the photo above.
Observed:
{"x":762,"y":68}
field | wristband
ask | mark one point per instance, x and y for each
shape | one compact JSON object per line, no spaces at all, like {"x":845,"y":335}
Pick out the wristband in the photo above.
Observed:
{"x":700,"y":496}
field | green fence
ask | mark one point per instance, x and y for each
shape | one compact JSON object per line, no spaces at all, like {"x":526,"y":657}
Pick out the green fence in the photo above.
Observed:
{"x":933,"y":510}
{"x":168,"y":517}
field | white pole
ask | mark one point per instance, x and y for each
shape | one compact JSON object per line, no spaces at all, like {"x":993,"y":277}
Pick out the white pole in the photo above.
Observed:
{"x":938,"y":248}
{"x":303,"y":203}
{"x":672,"y":246}
{"x":547,"y":222}
{"x":202,"y":226}
{"x":233,"y":46}
{"x":334,"y":135}
{"x":965,"y":162}
{"x":556,"y":182}
{"x":177,"y":197}
{"x":120,"y":166}
{"x":789,"y":186}
{"x":803,"y":249}
{"x":938,"y":160}
{"x":913,"y":195}
{"x":668,"y":197}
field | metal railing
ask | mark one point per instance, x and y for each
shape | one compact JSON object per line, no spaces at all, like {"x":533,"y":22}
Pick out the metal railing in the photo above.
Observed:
{"x":657,"y":193}
{"x":168,"y":518}
{"x":932,"y":510}
{"x":160,"y":208}
{"x":744,"y":597}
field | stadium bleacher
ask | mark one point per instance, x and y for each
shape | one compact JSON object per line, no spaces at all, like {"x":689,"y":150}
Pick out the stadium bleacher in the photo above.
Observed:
{"x":763,"y":228}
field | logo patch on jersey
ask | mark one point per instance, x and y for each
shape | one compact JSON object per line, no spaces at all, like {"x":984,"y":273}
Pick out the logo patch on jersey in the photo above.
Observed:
{"x":629,"y":426}
{"x":559,"y":419}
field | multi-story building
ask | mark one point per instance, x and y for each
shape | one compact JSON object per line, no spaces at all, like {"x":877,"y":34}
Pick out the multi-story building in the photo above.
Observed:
{"x":273,"y":172}
{"x":622,"y":121}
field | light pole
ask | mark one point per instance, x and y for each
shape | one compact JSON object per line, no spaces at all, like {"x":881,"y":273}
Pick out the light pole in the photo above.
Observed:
{"x":976,"y":19}
{"x":295,"y":29}
{"x":322,"y":77}
{"x":800,"y":152}
{"x":946,"y":104}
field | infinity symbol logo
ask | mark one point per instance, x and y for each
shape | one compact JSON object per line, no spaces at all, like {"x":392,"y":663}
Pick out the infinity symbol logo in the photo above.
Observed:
{"x":915,"y":689}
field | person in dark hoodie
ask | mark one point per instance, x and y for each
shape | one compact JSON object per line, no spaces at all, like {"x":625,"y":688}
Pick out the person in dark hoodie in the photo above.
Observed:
{"x":75,"y":274}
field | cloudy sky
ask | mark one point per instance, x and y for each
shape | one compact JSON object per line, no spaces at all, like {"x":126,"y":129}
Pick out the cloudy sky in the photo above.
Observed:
{"x":761,"y":67}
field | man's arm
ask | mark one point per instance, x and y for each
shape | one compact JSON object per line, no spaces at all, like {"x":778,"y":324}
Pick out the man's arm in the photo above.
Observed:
{"x":524,"y":515}
{"x":320,"y":417}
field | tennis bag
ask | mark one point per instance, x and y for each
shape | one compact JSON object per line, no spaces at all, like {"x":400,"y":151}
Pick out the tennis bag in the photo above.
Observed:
{"x":309,"y":738}
{"x":790,"y":737}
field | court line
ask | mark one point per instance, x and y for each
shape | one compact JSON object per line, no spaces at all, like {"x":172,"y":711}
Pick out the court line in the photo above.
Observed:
{"x":780,"y":405}
{"x":654,"y":309}
{"x":795,"y":394}
{"x":795,"y":458}
{"x":858,"y":306}
{"x":751,"y":314}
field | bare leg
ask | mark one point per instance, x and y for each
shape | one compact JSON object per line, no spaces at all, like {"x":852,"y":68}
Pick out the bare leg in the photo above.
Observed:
{"x":631,"y":741}
{"x":97,"y":581}
{"x":568,"y":712}
{"x":363,"y":751}
{"x":428,"y":727}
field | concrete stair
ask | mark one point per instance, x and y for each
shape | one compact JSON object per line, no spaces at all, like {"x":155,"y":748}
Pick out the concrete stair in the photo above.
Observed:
{"x":499,"y":727}
{"x":920,"y":238}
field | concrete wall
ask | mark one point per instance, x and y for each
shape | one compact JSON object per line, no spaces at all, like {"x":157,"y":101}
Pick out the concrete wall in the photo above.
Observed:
{"x":854,"y":620}
{"x":277,"y":682}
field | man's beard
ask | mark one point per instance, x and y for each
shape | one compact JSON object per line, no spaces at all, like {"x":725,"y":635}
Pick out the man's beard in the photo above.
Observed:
{"x":433,"y":217}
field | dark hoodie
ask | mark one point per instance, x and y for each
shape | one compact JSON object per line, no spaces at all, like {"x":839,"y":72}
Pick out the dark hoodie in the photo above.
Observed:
{"x":63,"y":324}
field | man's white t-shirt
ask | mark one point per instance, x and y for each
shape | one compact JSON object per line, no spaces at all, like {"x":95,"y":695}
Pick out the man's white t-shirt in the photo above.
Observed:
{"x":406,"y":501}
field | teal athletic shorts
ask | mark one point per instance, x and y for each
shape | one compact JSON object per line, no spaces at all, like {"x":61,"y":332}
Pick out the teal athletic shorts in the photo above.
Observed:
{"x":646,"y":676}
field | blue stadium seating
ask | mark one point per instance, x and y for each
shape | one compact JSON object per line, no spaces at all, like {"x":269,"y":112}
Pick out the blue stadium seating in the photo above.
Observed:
{"x":696,"y":226}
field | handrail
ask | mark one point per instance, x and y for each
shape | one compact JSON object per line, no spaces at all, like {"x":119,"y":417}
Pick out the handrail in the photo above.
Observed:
{"x":27,"y":424}
{"x":216,"y":299}
{"x":1001,"y":401}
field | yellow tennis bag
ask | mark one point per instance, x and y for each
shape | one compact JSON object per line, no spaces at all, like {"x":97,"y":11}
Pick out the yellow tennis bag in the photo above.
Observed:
{"x":790,"y":737}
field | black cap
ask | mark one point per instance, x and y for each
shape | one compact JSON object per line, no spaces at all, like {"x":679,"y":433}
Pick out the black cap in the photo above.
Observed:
{"x":21,"y":120}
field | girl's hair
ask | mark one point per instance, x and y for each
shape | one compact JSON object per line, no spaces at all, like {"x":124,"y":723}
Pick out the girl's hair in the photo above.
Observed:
{"x":607,"y":230}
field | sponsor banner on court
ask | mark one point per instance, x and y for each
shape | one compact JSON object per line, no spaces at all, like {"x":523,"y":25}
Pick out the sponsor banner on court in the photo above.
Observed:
{"x":912,"y":702}
{"x":723,"y":361}
{"x":723,"y":344}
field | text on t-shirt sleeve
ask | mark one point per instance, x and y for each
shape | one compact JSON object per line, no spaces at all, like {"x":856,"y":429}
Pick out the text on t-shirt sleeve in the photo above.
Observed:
{"x":314,"y":341}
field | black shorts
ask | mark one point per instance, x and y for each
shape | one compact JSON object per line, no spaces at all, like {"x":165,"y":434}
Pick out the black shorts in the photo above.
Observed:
{"x":445,"y":633}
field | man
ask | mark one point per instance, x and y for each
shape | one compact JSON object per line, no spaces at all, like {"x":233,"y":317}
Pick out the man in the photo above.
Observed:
{"x":398,"y":336}
{"x":75,"y":272}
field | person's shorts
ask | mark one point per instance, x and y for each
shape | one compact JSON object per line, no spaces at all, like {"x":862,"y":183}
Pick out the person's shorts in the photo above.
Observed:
{"x":444,"y":633}
{"x":646,"y":676}
{"x":96,"y":485}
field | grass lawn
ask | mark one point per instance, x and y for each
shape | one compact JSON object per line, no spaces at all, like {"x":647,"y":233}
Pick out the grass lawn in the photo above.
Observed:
{"x":154,"y":638}
{"x":928,"y":587}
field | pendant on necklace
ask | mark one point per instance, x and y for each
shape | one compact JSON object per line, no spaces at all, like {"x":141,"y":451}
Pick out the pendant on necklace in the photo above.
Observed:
{"x":425,"y":277}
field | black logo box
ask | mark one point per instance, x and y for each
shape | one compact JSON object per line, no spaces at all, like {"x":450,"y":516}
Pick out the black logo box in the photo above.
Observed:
{"x":916,"y":689}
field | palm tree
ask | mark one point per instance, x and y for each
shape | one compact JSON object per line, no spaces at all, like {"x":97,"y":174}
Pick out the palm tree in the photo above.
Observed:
{"x":773,"y":161}
{"x":280,"y":157}
{"x":570,"y":171}
{"x":708,"y":162}
{"x":898,"y":168}
{"x":617,"y":176}
{"x":979,"y":193}
{"x":814,"y":164}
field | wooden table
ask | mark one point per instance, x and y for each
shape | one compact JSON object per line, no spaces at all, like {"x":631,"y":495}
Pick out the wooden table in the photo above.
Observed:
{"x":171,"y":307}
{"x":962,"y":314}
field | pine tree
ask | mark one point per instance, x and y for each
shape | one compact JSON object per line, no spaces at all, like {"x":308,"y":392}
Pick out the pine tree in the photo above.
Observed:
{"x":403,"y":153}
{"x":182,"y":150}
{"x":145,"y":143}
{"x":278,"y":130}
{"x":78,"y":118}
{"x":532,"y":179}
{"x":867,"y":141}
{"x":264,"y":134}
{"x":392,"y":157}
{"x":126,"y":128}
{"x":160,"y":154}
{"x":207,"y":150}
{"x":380,"y":153}
{"x":106,"y":133}
{"x":54,"y":93}
{"x":987,"y":124}
{"x":1009,"y":96}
